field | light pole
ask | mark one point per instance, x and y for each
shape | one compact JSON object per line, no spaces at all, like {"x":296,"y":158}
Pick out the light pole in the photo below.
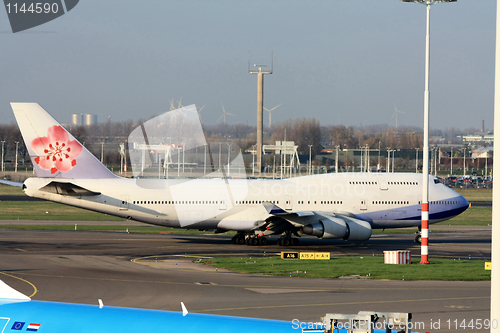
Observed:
{"x":435,"y":162}
{"x":228,"y":159}
{"x":337,"y":158}
{"x":451,"y":161}
{"x":310,"y":165}
{"x":388,"y":159}
{"x":416,"y":161}
{"x":205,"y":161}
{"x":393,"y":157}
{"x":220,"y":149}
{"x":260,"y":104}
{"x":367,"y":164}
{"x":378,"y":165}
{"x":425,"y":167}
{"x":3,"y":142}
{"x":102,"y":150}
{"x":464,"y":161}
{"x":17,"y":145}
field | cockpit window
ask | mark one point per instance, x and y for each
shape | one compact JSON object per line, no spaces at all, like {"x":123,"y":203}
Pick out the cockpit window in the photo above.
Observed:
{"x":437,"y":181}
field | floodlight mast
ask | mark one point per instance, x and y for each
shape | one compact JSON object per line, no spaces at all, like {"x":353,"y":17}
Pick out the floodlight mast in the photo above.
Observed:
{"x":424,"y":258}
{"x":260,"y":106}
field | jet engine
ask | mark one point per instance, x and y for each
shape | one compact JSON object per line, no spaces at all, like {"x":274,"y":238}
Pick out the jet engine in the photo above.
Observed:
{"x":339,"y":227}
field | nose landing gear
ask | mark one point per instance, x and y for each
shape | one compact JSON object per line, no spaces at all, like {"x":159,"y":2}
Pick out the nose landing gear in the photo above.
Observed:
{"x":418,"y":237}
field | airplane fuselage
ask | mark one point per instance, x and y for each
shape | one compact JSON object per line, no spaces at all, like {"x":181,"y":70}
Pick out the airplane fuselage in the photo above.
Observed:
{"x":383,"y":200}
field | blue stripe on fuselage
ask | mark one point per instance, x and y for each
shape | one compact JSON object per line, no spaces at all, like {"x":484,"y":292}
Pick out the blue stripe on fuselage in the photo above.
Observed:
{"x":405,"y":216}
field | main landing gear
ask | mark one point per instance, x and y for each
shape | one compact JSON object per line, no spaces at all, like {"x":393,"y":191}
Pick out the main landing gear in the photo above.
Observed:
{"x":288,"y":240}
{"x":254,"y":240}
{"x":240,"y":238}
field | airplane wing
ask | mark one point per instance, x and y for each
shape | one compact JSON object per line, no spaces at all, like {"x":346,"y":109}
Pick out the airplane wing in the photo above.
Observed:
{"x":341,"y":225}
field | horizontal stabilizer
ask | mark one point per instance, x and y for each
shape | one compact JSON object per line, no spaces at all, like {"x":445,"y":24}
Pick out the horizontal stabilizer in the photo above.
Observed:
{"x":11,"y":183}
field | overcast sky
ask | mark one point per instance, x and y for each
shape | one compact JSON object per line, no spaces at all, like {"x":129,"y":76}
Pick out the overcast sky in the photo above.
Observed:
{"x":341,"y":62}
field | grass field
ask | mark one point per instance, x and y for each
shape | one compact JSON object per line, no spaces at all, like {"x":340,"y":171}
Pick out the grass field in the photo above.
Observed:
{"x":476,"y":194}
{"x":366,"y":267}
{"x":10,"y":190}
{"x":42,"y":210}
{"x":472,"y":216}
{"x":145,"y":229}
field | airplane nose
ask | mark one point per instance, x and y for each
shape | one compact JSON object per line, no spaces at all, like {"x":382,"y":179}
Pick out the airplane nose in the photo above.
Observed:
{"x":464,"y":204}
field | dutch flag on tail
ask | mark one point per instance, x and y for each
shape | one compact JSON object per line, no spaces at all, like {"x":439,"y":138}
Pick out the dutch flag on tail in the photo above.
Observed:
{"x":33,"y":327}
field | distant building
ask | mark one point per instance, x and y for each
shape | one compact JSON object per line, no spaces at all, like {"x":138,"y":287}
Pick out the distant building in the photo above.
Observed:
{"x":478,"y":137}
{"x":90,"y":119}
{"x":77,"y":119}
{"x":483,"y":153}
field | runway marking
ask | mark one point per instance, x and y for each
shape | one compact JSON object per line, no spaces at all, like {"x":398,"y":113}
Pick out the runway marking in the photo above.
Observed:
{"x":457,"y":306}
{"x":101,"y":279}
{"x":35,"y":290}
{"x":344,"y":303}
{"x":137,"y":261}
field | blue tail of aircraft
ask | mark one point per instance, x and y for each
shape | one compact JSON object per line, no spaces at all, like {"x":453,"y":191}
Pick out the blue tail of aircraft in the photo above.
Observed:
{"x":54,"y":152}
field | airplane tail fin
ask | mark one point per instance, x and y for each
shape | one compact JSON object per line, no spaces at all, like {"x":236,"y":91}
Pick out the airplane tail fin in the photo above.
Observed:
{"x":54,"y":152}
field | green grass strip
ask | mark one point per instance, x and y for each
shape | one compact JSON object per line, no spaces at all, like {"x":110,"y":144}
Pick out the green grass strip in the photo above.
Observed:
{"x":472,"y":216}
{"x":44,"y":210}
{"x":364,"y":267}
{"x":132,"y":229}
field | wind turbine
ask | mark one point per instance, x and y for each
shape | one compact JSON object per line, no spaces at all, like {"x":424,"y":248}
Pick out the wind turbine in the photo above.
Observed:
{"x":396,"y":114}
{"x":224,"y":114}
{"x":172,"y":104}
{"x":199,"y":110}
{"x":270,"y":112}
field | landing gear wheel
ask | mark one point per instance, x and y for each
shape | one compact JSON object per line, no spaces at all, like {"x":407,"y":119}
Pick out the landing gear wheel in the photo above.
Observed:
{"x":418,"y":239}
{"x":254,"y":241}
{"x":287,"y":241}
{"x":280,"y":242}
{"x":262,"y":241}
{"x":240,"y":240}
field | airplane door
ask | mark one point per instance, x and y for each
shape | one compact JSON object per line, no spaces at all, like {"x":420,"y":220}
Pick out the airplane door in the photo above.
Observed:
{"x":288,"y":202}
{"x":382,"y":183}
{"x":124,"y":202}
{"x":363,"y":204}
{"x":222,"y":202}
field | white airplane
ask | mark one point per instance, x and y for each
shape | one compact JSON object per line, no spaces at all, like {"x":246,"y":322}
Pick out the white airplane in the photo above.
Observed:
{"x":330,"y":206}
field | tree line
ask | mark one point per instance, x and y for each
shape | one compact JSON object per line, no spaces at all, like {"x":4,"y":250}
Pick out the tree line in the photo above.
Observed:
{"x":304,"y":132}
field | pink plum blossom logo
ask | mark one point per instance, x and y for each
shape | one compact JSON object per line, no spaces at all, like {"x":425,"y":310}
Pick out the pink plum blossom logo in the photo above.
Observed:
{"x":56,"y":152}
